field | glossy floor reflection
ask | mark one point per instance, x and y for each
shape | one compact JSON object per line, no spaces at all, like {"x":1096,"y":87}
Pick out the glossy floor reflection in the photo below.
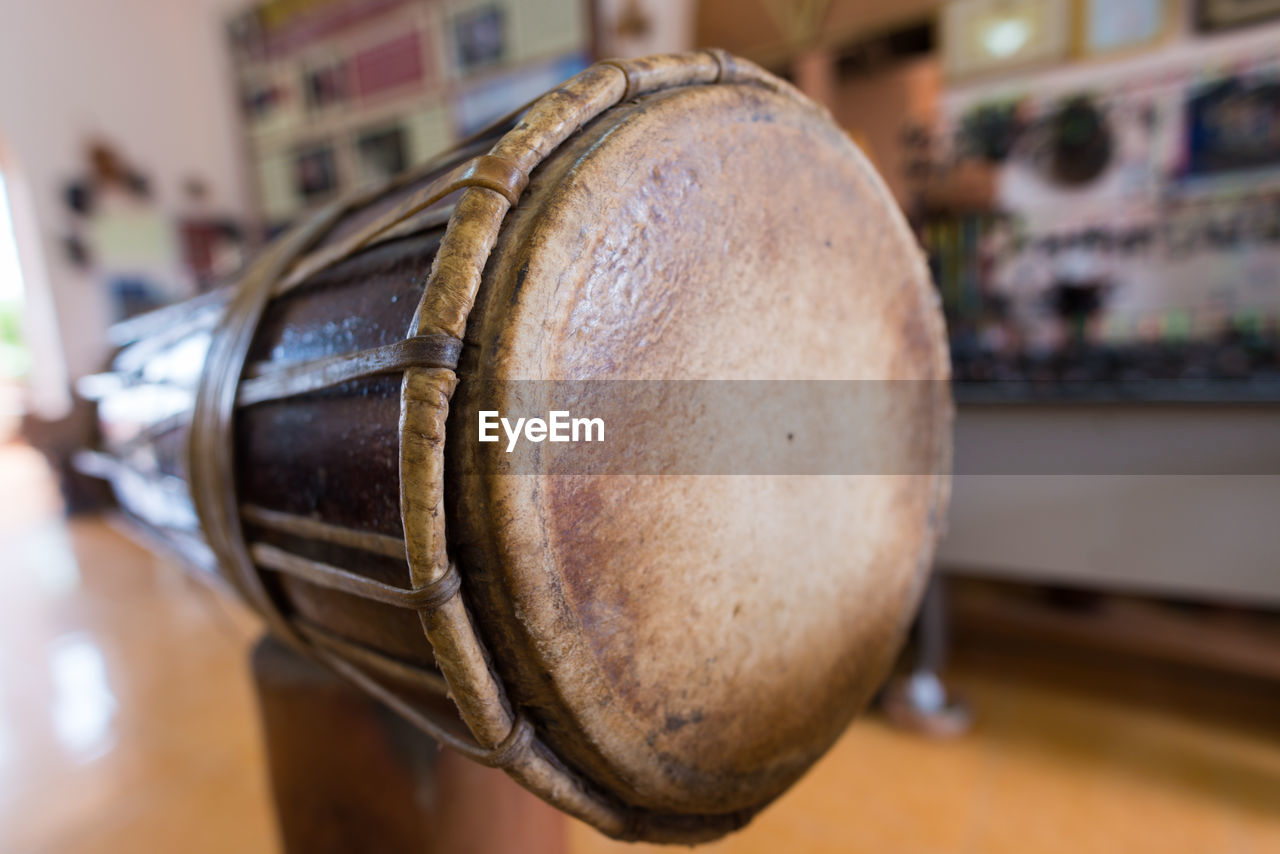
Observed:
{"x":127,"y":724}
{"x":126,"y":713}
{"x":1046,"y":771}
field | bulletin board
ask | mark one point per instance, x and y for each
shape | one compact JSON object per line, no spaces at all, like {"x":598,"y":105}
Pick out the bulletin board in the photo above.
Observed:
{"x":339,"y":93}
{"x":1133,"y":247}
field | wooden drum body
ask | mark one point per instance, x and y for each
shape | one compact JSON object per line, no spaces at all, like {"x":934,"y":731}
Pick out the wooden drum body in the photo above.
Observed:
{"x":660,"y":654}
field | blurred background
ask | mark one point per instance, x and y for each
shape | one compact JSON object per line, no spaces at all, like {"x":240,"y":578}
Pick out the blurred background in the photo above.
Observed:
{"x":1096,"y":184}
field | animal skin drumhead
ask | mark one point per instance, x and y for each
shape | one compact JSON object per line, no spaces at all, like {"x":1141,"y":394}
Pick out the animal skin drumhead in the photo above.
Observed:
{"x":692,"y":639}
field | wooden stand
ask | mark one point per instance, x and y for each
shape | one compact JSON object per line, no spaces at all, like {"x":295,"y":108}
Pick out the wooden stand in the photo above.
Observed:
{"x":349,"y":776}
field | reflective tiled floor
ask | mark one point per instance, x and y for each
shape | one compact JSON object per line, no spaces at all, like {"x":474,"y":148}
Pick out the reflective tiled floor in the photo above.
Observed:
{"x":126,"y":714}
{"x":127,"y":724}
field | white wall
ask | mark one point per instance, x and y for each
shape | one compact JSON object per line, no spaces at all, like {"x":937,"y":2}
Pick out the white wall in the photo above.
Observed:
{"x":1167,"y":500}
{"x":149,"y":76}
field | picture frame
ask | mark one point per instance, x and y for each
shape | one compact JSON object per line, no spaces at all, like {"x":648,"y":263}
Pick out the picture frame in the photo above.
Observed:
{"x":990,"y":36}
{"x":1215,"y":15}
{"x":479,"y":103}
{"x":1229,"y":126}
{"x":315,"y":172}
{"x":1108,"y":28}
{"x":480,"y":37}
{"x":326,"y":84}
{"x":383,"y":152}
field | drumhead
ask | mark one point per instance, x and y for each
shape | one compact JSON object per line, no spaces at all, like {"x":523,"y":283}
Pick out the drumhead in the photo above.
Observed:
{"x":693,"y":642}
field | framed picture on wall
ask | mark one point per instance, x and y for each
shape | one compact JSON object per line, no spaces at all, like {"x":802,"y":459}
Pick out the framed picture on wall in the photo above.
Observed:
{"x":1224,"y":14}
{"x":479,"y":37}
{"x":315,"y":172}
{"x":982,"y":36}
{"x":395,"y":64}
{"x":1106,"y":26}
{"x":382,"y":153}
{"x":480,"y":103}
{"x":326,"y":84}
{"x":1231,"y":127}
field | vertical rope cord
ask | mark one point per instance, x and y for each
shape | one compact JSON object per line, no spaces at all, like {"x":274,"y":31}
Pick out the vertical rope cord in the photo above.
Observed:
{"x":211,"y":439}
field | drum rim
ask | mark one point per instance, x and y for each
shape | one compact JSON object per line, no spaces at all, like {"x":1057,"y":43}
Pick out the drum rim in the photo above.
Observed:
{"x":450,"y":293}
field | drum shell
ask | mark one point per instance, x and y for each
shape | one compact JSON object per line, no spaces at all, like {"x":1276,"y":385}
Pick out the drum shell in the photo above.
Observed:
{"x":332,"y":457}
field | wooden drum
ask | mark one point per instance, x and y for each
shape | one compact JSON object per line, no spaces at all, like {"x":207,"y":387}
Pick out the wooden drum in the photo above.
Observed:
{"x":659,"y":654}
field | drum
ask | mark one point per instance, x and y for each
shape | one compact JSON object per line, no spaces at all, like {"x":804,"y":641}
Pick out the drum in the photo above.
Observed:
{"x":658,"y":651}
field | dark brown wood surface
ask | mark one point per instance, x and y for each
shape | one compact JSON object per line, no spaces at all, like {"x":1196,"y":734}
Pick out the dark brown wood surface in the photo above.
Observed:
{"x":350,"y":776}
